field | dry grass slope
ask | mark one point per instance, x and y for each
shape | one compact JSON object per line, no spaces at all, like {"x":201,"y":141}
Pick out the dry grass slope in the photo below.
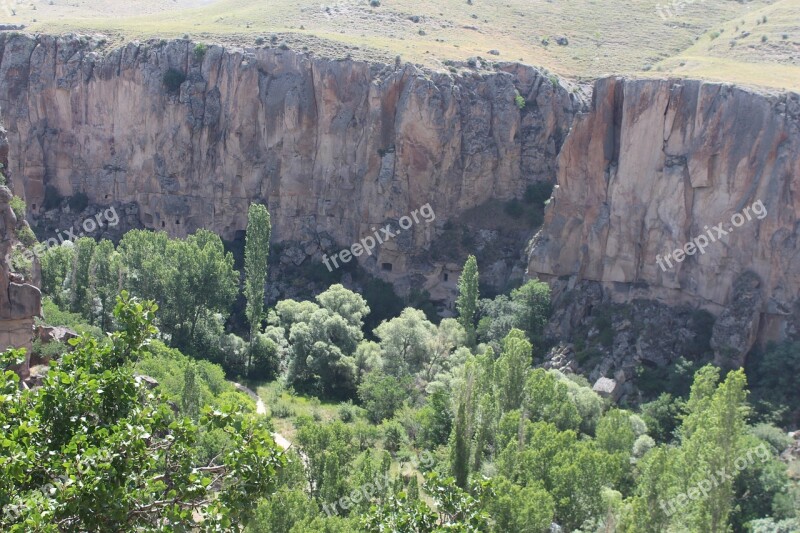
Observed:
{"x":690,"y":37}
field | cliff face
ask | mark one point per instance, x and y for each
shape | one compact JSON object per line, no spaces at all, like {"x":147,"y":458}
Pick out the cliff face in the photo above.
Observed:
{"x":20,"y":299}
{"x":334,"y":148}
{"x":658,"y":164}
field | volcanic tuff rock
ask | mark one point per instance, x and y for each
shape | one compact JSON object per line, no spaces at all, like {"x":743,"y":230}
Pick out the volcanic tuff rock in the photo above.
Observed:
{"x":655,"y":163}
{"x":334,"y":148}
{"x":20,"y":299}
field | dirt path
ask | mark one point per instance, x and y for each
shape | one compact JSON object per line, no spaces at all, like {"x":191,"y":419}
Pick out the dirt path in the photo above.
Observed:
{"x":261,"y":409}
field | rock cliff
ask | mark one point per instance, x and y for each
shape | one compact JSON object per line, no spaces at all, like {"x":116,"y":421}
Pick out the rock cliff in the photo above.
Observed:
{"x":193,"y":134}
{"x":656,"y":164}
{"x":20,"y":299}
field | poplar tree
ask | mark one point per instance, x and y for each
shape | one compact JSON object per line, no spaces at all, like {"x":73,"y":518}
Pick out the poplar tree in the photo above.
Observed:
{"x":467,"y":302}
{"x":256,"y":255}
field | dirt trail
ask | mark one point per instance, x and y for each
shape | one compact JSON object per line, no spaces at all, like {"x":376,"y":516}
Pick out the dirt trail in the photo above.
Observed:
{"x":261,"y":409}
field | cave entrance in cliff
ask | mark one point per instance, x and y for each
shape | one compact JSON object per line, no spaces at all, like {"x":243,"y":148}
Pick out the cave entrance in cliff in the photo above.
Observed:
{"x":387,"y":267}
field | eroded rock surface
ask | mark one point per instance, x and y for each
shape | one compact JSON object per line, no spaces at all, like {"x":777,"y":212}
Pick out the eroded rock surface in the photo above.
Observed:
{"x":335,"y":148}
{"x":654,"y":164}
{"x":20,"y":299}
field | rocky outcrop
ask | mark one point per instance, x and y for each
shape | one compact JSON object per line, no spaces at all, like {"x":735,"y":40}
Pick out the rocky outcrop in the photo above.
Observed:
{"x":334,"y":148}
{"x":20,"y":299}
{"x":656,"y":164}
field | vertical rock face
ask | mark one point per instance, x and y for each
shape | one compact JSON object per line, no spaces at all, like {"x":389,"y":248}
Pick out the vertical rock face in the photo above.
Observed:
{"x":655,"y":165}
{"x":20,"y":300}
{"x":334,"y":148}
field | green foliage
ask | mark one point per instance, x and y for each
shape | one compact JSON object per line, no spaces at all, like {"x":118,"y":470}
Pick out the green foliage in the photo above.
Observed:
{"x":771,"y":375}
{"x":322,"y":341}
{"x":528,"y":309}
{"x":93,"y":449}
{"x":26,"y":236}
{"x":406,"y":342}
{"x":21,"y":262}
{"x":80,"y":280}
{"x":519,"y":100}
{"x":393,"y":435}
{"x":56,"y":263}
{"x":547,"y":399}
{"x":520,"y":509}
{"x":435,"y":420}
{"x":382,"y":395}
{"x":173,"y":79}
{"x":200,"y":50}
{"x":256,"y":255}
{"x":18,"y":206}
{"x":467,"y":301}
{"x":105,"y":272}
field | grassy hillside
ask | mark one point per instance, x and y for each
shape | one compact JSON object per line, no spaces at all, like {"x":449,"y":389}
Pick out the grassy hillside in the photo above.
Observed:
{"x":603,"y":36}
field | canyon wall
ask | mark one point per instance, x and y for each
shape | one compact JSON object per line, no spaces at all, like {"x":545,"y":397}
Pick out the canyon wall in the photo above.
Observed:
{"x":653,"y":165}
{"x":334,"y":148}
{"x":20,"y":299}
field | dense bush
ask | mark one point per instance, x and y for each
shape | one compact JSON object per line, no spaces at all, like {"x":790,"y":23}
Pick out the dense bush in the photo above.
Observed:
{"x":173,"y":79}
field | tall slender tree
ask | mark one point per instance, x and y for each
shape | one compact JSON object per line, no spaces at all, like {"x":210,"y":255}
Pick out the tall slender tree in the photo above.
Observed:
{"x":467,"y":302}
{"x":256,"y":255}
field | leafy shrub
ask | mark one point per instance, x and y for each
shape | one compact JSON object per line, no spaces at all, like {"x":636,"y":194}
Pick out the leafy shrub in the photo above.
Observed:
{"x":347,"y":412}
{"x":281,"y":410}
{"x":773,"y":435}
{"x":49,"y":350}
{"x":18,"y":207}
{"x":519,"y":100}
{"x":20,"y":263}
{"x":173,"y":79}
{"x":2,"y":179}
{"x":78,"y":202}
{"x":26,"y":236}
{"x":200,"y":50}
{"x":375,"y":3}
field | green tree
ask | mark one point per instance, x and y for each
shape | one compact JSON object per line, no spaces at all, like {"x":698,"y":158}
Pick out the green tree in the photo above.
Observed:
{"x":467,"y":301}
{"x":256,"y":256}
{"x":56,"y":267}
{"x":533,"y":309}
{"x":382,"y":395}
{"x":407,"y":342}
{"x":511,"y":370}
{"x":436,"y":419}
{"x":80,"y":280}
{"x":520,"y":509}
{"x":144,"y":256}
{"x":547,"y":399}
{"x":191,"y":392}
{"x":93,"y":449}
{"x":201,"y":280}
{"x":104,"y":274}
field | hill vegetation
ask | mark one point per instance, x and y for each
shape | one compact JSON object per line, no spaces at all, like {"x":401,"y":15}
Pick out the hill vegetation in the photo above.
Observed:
{"x":575,"y":38}
{"x":416,"y":425}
